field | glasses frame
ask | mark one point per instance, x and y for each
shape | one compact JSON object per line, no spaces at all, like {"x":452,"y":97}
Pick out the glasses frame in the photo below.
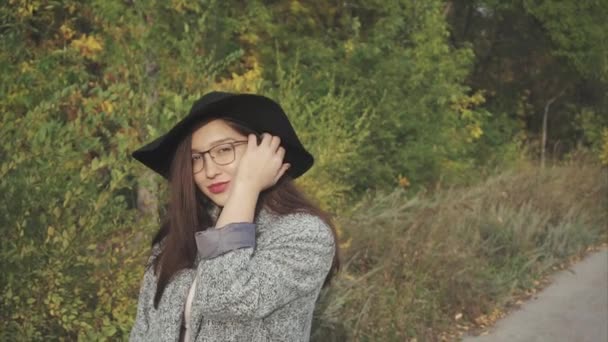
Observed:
{"x":202,"y":154}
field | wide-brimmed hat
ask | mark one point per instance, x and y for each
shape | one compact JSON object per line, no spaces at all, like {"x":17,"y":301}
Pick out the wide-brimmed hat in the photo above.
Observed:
{"x":256,"y":112}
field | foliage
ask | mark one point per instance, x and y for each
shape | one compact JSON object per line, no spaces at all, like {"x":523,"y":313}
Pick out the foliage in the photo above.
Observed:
{"x":578,"y":31}
{"x":386,"y":54}
{"x":334,"y":139}
{"x":70,"y":246}
{"x":595,"y":132}
{"x":537,"y":57}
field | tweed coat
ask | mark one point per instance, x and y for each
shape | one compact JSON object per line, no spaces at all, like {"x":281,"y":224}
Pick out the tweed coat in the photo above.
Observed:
{"x":262,"y":293}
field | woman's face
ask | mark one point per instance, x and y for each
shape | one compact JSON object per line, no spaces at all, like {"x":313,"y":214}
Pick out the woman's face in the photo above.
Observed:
{"x":215,"y":136}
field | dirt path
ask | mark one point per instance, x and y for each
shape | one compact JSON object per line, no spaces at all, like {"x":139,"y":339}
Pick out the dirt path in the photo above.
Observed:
{"x":573,"y":308}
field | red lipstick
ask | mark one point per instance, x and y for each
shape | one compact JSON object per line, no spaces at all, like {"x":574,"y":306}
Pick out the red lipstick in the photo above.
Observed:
{"x":218,"y":187}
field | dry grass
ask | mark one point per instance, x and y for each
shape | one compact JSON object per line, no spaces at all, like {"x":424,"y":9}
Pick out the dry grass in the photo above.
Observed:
{"x":419,"y":264}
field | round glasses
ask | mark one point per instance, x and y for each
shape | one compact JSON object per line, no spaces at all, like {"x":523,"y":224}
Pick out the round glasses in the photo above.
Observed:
{"x":221,"y":154}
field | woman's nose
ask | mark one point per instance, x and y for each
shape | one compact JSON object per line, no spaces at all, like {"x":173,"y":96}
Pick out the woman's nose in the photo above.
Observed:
{"x":211,"y":168}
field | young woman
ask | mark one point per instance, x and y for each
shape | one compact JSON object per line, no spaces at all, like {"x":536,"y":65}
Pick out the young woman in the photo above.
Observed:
{"x":242,"y":254}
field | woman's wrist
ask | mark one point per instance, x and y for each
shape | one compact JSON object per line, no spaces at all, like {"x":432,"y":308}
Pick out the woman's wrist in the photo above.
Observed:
{"x":240,"y":206}
{"x":245,"y":187}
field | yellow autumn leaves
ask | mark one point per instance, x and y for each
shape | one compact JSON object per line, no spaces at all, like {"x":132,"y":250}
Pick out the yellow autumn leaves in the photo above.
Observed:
{"x":464,"y":106}
{"x":403,"y":181}
{"x":88,"y":46}
{"x":247,"y":82}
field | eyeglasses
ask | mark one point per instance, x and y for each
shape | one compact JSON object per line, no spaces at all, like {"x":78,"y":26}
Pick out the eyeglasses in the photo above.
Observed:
{"x":222,"y":154}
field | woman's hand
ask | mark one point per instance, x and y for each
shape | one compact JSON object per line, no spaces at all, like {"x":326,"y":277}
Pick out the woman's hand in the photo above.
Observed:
{"x":261,"y":166}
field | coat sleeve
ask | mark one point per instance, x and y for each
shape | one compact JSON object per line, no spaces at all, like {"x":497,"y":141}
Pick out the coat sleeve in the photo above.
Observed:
{"x":251,"y":283}
{"x":141,"y":324}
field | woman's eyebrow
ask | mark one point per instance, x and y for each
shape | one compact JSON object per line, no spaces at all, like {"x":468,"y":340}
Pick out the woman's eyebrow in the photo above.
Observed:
{"x":213,"y":144}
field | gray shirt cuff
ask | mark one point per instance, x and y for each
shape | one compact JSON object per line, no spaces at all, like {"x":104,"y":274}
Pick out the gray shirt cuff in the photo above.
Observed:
{"x":214,"y":242}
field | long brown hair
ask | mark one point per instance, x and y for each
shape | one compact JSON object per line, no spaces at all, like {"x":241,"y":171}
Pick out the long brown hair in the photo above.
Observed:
{"x":187,"y":213}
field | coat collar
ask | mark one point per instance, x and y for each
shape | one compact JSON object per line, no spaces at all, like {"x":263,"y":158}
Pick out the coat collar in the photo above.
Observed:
{"x":174,"y":297}
{"x":263,"y":221}
{"x":173,"y":301}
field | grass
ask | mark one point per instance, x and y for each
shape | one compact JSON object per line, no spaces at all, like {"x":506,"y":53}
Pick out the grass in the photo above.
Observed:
{"x":416,"y":262}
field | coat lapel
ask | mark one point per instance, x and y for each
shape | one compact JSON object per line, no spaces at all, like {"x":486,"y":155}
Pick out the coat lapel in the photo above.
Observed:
{"x":173,"y":301}
{"x":196,"y":314}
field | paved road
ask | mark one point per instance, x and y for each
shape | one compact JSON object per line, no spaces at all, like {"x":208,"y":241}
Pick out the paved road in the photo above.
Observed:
{"x":574,"y":308}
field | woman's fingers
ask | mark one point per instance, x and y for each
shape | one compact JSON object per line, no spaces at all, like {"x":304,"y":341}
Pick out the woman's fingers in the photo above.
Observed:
{"x":269,"y":155}
{"x":252,"y":141}
{"x":275,"y":143}
{"x":270,"y":141}
{"x":281,"y":153}
{"x":266,"y":139}
{"x":281,"y":172}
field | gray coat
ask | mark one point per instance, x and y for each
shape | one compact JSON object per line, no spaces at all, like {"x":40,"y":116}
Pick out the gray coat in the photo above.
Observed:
{"x":262,"y":293}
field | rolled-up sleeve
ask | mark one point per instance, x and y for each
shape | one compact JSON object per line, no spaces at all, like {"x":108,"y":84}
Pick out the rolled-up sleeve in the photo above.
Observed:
{"x":251,"y":283}
{"x":214,"y":242}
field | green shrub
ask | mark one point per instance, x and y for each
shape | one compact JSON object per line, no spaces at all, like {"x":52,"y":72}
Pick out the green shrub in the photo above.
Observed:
{"x":72,"y":241}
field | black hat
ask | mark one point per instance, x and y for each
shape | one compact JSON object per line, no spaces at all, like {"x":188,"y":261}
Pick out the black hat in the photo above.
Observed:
{"x":257,"y":112}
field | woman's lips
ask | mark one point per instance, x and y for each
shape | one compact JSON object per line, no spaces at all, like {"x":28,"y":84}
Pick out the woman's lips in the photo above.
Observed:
{"x":218,"y":188}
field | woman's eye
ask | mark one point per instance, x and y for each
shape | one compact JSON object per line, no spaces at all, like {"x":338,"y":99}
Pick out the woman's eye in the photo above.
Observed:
{"x":196,"y":157}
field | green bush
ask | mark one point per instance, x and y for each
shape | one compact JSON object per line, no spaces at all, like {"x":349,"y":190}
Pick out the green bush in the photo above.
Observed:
{"x":72,"y":241}
{"x":327,"y":127}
